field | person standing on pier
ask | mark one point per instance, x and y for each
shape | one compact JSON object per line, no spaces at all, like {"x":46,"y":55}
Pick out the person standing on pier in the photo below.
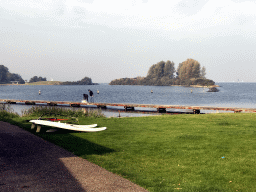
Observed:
{"x":91,"y":96}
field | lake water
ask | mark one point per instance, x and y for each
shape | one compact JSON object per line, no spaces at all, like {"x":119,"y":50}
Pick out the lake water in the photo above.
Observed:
{"x":230,"y":94}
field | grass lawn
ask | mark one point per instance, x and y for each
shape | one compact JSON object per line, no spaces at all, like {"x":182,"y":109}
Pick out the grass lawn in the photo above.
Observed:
{"x":211,"y":152}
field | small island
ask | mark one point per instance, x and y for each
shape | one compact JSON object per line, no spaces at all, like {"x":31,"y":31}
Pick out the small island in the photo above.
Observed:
{"x":188,"y":73}
{"x":84,"y":81}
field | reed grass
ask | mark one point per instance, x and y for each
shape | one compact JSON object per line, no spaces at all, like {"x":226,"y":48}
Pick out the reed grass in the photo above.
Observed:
{"x":6,"y":112}
{"x":61,"y":111}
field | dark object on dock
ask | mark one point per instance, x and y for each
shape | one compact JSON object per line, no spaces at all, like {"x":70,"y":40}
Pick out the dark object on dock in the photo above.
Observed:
{"x":161,"y":110}
{"x":74,"y":104}
{"x":11,"y":102}
{"x":30,"y":103}
{"x":213,"y":89}
{"x":102,"y":106}
{"x":85,"y":97}
{"x":52,"y":104}
{"x":196,"y":111}
{"x":128,"y":108}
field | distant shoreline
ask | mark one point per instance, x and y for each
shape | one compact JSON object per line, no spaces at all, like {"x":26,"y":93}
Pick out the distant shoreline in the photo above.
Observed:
{"x":37,"y":83}
{"x":59,"y":83}
{"x":41,"y":83}
{"x":195,"y":86}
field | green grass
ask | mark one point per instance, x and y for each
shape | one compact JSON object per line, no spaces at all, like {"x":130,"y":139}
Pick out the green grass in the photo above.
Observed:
{"x":211,"y":152}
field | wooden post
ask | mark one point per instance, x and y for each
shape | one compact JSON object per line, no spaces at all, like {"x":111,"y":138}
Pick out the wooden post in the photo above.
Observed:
{"x":38,"y":128}
{"x":33,"y":126}
{"x":102,"y":106}
{"x":196,"y":111}
{"x":161,"y":110}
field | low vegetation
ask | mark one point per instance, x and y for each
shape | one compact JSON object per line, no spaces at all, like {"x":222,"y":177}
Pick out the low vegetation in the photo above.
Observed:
{"x":46,"y":111}
{"x":7,"y":113}
{"x":211,"y":152}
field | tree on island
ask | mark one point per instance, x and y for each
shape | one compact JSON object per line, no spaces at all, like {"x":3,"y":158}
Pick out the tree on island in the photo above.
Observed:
{"x":188,"y":73}
{"x":84,"y":81}
{"x":161,"y":73}
{"x":203,"y":72}
{"x":36,"y":79}
{"x":15,"y":77}
{"x":7,"y":77}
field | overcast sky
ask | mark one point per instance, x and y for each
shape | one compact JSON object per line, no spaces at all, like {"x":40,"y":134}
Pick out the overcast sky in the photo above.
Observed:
{"x":67,"y":40}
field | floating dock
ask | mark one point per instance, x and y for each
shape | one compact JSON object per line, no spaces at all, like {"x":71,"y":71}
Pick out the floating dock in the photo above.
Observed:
{"x":127,"y":106}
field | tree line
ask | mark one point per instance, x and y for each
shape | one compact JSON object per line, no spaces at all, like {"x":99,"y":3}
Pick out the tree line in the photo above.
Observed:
{"x":36,"y":79}
{"x":164,"y":73}
{"x":6,"y":78}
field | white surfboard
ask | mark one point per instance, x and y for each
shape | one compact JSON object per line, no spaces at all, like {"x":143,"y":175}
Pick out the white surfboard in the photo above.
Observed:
{"x":84,"y":128}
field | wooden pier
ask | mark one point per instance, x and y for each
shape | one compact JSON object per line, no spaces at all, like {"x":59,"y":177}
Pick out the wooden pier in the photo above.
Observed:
{"x":127,"y":106}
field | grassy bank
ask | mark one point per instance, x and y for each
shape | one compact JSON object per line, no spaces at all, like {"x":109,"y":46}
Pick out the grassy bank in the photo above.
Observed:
{"x":212,"y":152}
{"x":45,"y":83}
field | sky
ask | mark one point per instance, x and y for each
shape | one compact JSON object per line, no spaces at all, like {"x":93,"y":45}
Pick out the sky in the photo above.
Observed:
{"x":67,"y":40}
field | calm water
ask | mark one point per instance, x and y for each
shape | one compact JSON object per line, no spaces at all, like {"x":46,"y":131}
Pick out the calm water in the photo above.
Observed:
{"x":230,"y":95}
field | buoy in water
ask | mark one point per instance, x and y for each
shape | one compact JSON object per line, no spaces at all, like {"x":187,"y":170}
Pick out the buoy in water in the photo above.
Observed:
{"x":98,"y":91}
{"x":39,"y":92}
{"x":151,"y":91}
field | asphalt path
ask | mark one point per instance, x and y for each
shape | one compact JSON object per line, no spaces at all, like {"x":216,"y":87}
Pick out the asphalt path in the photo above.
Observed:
{"x":29,"y":163}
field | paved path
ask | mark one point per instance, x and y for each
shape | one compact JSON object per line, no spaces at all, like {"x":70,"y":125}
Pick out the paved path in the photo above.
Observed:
{"x":29,"y":163}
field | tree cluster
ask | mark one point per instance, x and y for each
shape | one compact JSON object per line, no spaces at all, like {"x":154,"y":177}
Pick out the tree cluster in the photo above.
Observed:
{"x":36,"y":79}
{"x":7,"y":77}
{"x":84,"y":81}
{"x":163,"y":73}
